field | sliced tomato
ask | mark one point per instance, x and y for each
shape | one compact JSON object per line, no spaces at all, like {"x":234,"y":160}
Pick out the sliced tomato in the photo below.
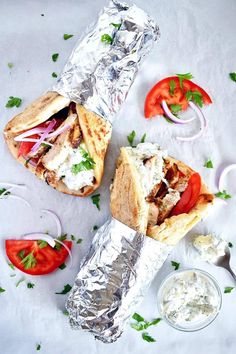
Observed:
{"x":161,"y":91}
{"x":189,"y":197}
{"x":47,"y":259}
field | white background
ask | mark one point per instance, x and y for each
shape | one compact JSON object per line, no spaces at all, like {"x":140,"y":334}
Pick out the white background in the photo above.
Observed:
{"x":198,"y":37}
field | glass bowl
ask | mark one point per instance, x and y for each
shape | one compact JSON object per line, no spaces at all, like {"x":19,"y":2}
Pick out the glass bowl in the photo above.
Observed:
{"x":195,"y":325}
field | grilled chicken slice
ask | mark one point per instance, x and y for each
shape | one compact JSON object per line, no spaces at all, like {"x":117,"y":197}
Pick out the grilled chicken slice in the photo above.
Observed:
{"x":153,"y":214}
{"x":166,"y":204}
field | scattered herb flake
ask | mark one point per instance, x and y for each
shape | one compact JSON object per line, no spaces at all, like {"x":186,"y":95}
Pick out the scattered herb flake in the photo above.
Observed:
{"x":21,"y":254}
{"x":223,"y":195}
{"x":19,"y":282}
{"x":208,"y":164}
{"x":143,"y":138}
{"x":62,"y":266}
{"x":175,"y":108}
{"x":187,"y":76}
{"x":55,"y":56}
{"x":29,"y":261}
{"x":175,"y":265}
{"x":2,"y":290}
{"x":30,"y":285}
{"x":11,"y":266}
{"x":38,"y":346}
{"x":228,"y":289}
{"x":137,"y":317}
{"x":10,"y":65}
{"x":42,"y":243}
{"x":232,"y":76}
{"x":116,"y":25}
{"x":13,"y":102}
{"x":95,"y":228}
{"x":54,"y":74}
{"x":27,"y":161}
{"x":230,"y":244}
{"x":96,"y":200}
{"x":65,"y":312}
{"x":72,"y":237}
{"x":66,"y":289}
{"x":60,"y":238}
{"x":4,"y":192}
{"x":106,"y":38}
{"x":131,"y":137}
{"x":67,"y":36}
{"x":148,"y":338}
{"x":195,"y":96}
{"x":79,"y":240}
{"x":42,"y":14}
{"x":172,"y":87}
{"x":12,"y":275}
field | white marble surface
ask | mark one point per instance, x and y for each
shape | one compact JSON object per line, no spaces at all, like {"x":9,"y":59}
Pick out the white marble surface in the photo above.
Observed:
{"x":197,"y":36}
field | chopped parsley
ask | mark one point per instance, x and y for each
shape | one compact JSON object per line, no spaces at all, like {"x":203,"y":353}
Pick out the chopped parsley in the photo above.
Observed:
{"x":228,"y":289}
{"x":72,"y":237}
{"x":38,"y":346}
{"x":116,"y":25}
{"x":208,"y":164}
{"x":29,"y":261}
{"x":87,"y":164}
{"x":143,"y":138}
{"x":42,"y":15}
{"x":137,"y":317}
{"x":19,"y":282}
{"x":232,"y":76}
{"x":223,"y":195}
{"x":42,"y":243}
{"x":10,"y":65}
{"x":65,"y":312}
{"x":106,"y":38}
{"x":13,"y":102}
{"x":131,"y":137}
{"x":95,"y":228}
{"x":62,"y":266}
{"x":141,"y":324}
{"x":11,"y":266}
{"x":66,"y":289}
{"x":172,"y":87}
{"x":54,"y":74}
{"x":147,"y":337}
{"x":187,"y":76}
{"x":21,"y":254}
{"x":230,"y":244}
{"x":30,"y":285}
{"x":175,"y":265}
{"x":79,"y":240}
{"x":175,"y":108}
{"x":3,"y":190}
{"x":195,"y":96}
{"x":96,"y":200}
{"x":55,"y":56}
{"x":2,"y":290}
{"x":60,"y":238}
{"x":67,"y":36}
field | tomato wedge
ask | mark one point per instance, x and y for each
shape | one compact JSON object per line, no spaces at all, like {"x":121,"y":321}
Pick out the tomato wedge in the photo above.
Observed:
{"x":189,"y":197}
{"x":43,"y":260}
{"x":161,"y":91}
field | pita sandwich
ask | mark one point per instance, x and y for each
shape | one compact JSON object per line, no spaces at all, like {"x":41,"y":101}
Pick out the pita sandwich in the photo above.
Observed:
{"x":61,"y":142}
{"x":156,"y":194}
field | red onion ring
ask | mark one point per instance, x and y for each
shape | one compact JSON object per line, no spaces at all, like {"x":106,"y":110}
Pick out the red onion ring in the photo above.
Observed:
{"x":29,"y":133}
{"x":56,"y":219}
{"x":172,"y":117}
{"x":223,"y":174}
{"x":44,"y":135}
{"x":58,"y":131}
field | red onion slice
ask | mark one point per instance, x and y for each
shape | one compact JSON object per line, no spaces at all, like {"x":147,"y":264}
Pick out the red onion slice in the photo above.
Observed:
{"x":56,"y":219}
{"x":13,"y":196}
{"x":44,"y":135}
{"x":36,"y":236}
{"x":223,"y":174}
{"x":172,"y":117}
{"x":58,"y":131}
{"x":29,"y":133}
{"x":32,"y":140}
{"x":14,"y":185}
{"x":68,"y":250}
{"x":203,"y":124}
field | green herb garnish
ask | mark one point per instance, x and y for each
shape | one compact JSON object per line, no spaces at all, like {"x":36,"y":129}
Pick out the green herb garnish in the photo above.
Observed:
{"x":38,"y":346}
{"x":230,"y":244}
{"x":30,"y":285}
{"x":96,"y":200}
{"x":67,"y":36}
{"x":2,"y":290}
{"x":131,"y":137}
{"x":175,"y":265}
{"x":10,"y":65}
{"x":79,"y":240}
{"x":65,"y":312}
{"x":62,"y":266}
{"x":13,"y":102}
{"x":187,"y":76}
{"x":147,"y":337}
{"x":72,"y":237}
{"x":54,"y":74}
{"x":116,"y":25}
{"x":106,"y":38}
{"x":208,"y":164}
{"x":228,"y":289}
{"x":66,"y":289}
{"x":21,"y":254}
{"x":143,"y":138}
{"x":55,"y":56}
{"x":42,"y":243}
{"x":141,"y":323}
{"x":11,"y":266}
{"x":29,"y":261}
{"x":223,"y":195}
{"x":87,"y":164}
{"x":232,"y":76}
{"x":60,"y":238}
{"x":19,"y":282}
{"x":3,"y":190}
{"x":95,"y":227}
{"x":175,"y":108}
{"x":195,"y":96}
{"x":172,"y":87}
{"x":137,"y":317}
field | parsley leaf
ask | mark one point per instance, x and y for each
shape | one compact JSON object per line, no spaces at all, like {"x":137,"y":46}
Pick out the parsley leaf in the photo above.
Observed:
{"x":147,"y":337}
{"x":95,"y":227}
{"x":54,"y":74}
{"x":137,"y":317}
{"x":72,"y":237}
{"x":116,"y":25}
{"x":21,"y":254}
{"x":3,"y":190}
{"x":2,"y":290}
{"x":10,"y":65}
{"x":208,"y":164}
{"x":79,"y":240}
{"x":62,"y":266}
{"x":60,"y":238}
{"x":175,"y":265}
{"x":29,"y":261}
{"x":96,"y":200}
{"x":223,"y":195}
{"x":131,"y":137}
{"x":42,"y":243}
{"x":65,"y":312}
{"x":67,"y":36}
{"x":228,"y":289}
{"x":175,"y":108}
{"x":55,"y":56}
{"x":195,"y":96}
{"x":87,"y":164}
{"x":11,"y":266}
{"x":66,"y":289}
{"x":143,"y":138}
{"x":30,"y":285}
{"x":232,"y":76}
{"x":187,"y":76}
{"x":230,"y":244}
{"x":172,"y":87}
{"x":38,"y":346}
{"x":13,"y":102}
{"x":106,"y":38}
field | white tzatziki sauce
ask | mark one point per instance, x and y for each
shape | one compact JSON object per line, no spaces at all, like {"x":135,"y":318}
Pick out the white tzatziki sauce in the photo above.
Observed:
{"x":65,"y":171}
{"x":149,"y":178}
{"x":189,"y":297}
{"x":209,"y":247}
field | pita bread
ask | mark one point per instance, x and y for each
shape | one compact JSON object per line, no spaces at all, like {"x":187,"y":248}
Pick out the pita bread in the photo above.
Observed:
{"x":96,"y":134}
{"x":129,"y":206}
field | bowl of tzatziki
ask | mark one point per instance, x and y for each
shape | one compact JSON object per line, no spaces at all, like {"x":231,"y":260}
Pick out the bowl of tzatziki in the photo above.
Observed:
{"x":189,"y":299}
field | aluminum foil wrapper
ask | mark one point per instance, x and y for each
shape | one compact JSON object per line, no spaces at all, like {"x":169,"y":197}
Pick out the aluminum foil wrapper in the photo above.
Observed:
{"x":113,"y":279}
{"x":98,"y":75}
